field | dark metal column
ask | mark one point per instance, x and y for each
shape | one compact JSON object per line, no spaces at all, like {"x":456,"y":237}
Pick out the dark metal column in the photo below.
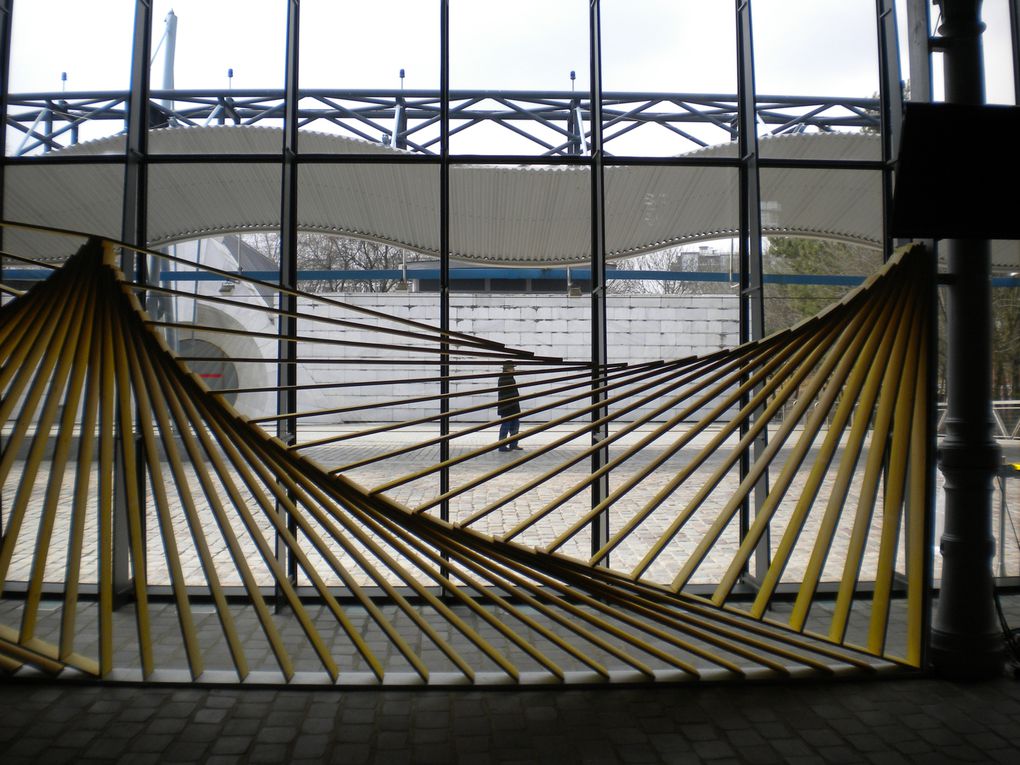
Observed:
{"x":286,"y":428}
{"x":133,"y":231}
{"x":599,"y":346}
{"x":444,"y":251}
{"x":891,"y":109}
{"x":1014,"y":38}
{"x":966,"y":641}
{"x":6,"y":16}
{"x":751,"y":299}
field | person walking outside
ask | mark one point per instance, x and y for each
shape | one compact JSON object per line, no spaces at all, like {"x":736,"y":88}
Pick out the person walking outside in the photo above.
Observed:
{"x":508,"y":406}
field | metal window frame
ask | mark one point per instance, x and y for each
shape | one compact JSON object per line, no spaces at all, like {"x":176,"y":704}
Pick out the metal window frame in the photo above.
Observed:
{"x":137,"y":160}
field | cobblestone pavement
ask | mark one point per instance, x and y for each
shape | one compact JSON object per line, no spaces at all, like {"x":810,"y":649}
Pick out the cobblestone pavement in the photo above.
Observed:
{"x":903,"y":721}
{"x":506,"y":477}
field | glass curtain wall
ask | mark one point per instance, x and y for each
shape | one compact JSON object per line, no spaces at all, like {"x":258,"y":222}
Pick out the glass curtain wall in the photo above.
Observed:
{"x":660,"y":97}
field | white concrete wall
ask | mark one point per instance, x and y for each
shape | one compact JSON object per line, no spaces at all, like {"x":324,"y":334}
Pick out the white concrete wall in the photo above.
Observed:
{"x":641,"y":328}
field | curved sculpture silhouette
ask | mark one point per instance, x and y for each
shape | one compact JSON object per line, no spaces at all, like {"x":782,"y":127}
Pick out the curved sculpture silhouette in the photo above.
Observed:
{"x":98,"y":414}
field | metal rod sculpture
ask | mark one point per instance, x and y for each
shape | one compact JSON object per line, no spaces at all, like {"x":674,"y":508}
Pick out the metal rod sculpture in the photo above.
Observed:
{"x":388,"y":592}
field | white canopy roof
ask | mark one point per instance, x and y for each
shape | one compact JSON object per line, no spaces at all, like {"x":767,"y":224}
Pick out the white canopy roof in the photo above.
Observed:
{"x":505,"y":215}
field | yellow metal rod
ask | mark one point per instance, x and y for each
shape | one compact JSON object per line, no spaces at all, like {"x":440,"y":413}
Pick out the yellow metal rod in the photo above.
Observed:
{"x":780,"y":387}
{"x":895,"y":488}
{"x":70,"y":371}
{"x":319,"y":487}
{"x":719,"y":371}
{"x":919,"y":505}
{"x":616,"y":413}
{"x":165,"y":399}
{"x":56,"y":362}
{"x":868,"y":375}
{"x":884,"y":413}
{"x":106,"y":457}
{"x":82,"y":482}
{"x":818,"y":391}
{"x":848,"y":396}
{"x":195,"y":424}
{"x":171,"y":555}
{"x":773,"y":357}
{"x":265,"y":551}
{"x":129,"y":466}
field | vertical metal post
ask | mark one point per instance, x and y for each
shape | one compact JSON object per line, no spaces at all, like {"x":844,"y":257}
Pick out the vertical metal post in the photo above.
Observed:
{"x":1014,"y":38}
{"x":6,"y":16}
{"x":134,"y":225}
{"x":890,"y":92}
{"x":599,"y":346}
{"x":444,"y":251}
{"x":751,"y":298}
{"x":169,"y":57}
{"x":966,"y":641}
{"x":918,"y":50}
{"x":286,"y":401}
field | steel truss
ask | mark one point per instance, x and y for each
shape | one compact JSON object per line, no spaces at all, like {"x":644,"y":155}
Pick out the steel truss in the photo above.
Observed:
{"x":554,"y":123}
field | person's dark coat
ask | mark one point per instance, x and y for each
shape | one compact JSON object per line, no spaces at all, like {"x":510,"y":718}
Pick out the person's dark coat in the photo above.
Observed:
{"x":508,"y":392}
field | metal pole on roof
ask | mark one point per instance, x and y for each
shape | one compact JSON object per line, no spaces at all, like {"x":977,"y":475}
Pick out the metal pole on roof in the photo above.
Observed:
{"x":966,"y":641}
{"x":169,"y":52}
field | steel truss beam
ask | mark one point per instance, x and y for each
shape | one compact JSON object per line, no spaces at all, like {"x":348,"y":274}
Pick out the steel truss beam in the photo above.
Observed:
{"x":556,"y":123}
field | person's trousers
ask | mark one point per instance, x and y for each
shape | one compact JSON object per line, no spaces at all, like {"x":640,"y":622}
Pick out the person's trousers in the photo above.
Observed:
{"x":507,"y":429}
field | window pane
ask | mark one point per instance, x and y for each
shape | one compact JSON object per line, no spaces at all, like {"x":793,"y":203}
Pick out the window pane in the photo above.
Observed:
{"x":816,"y":70}
{"x":389,"y":53}
{"x":521,"y":242}
{"x":829,"y":224}
{"x":527,"y":46}
{"x":669,"y":57}
{"x":50,"y":54}
{"x":998,"y":52}
{"x":234,"y":48}
{"x":86,"y":198}
{"x":666,"y":304}
{"x":369,"y":232}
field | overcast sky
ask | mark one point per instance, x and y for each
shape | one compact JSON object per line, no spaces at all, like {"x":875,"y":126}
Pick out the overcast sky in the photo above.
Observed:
{"x":807,"y":47}
{"x":802,"y":47}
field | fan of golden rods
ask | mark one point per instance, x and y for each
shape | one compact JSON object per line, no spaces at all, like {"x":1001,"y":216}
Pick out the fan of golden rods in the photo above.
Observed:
{"x":118,"y":461}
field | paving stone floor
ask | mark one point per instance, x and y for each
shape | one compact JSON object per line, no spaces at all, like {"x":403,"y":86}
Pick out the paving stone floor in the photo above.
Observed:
{"x":919,"y":719}
{"x":915,"y":720}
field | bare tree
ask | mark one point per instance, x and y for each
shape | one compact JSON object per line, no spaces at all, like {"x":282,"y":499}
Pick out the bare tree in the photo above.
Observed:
{"x":673,"y":259}
{"x":323,"y":253}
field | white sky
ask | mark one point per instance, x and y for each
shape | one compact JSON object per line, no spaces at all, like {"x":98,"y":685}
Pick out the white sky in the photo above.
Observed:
{"x":803,"y":47}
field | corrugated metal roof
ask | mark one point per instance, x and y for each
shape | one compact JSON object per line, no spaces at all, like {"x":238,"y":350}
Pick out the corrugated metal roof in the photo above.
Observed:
{"x":507,"y":215}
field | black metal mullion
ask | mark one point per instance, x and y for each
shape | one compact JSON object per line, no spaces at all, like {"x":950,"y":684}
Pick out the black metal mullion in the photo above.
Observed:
{"x":1014,"y":37}
{"x":890,"y":110}
{"x":751,"y":299}
{"x":134,"y":232}
{"x":444,"y":250}
{"x":287,"y":355}
{"x":599,"y":346}
{"x":6,"y":16}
